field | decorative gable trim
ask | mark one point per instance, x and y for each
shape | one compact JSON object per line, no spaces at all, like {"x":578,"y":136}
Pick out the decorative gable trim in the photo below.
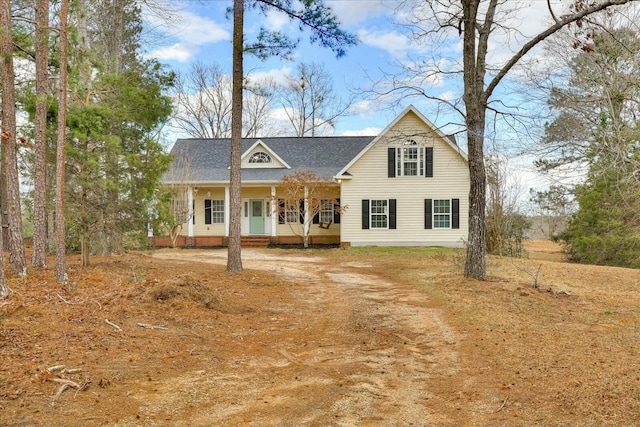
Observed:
{"x":267,"y":150}
{"x":410,"y":109}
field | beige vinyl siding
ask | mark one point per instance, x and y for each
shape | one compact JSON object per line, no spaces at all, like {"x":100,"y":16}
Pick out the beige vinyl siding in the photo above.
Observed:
{"x":200,"y":228}
{"x":369,"y":181}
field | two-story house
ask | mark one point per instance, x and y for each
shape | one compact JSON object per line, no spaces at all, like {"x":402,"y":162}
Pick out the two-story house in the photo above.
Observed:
{"x":408,"y":186}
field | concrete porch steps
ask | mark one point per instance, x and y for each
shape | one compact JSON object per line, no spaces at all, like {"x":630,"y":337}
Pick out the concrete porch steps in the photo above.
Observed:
{"x":255,"y":241}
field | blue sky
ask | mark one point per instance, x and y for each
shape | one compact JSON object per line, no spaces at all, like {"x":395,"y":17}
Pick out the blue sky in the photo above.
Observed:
{"x":202,"y":32}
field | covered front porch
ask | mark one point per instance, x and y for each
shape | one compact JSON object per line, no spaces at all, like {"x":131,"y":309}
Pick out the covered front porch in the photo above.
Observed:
{"x":264,"y":222}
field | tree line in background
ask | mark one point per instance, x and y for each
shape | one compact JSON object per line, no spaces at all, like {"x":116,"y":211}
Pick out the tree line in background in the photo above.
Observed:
{"x":594,"y":95}
{"x":597,"y":129}
{"x":92,"y":179}
{"x":304,"y":103}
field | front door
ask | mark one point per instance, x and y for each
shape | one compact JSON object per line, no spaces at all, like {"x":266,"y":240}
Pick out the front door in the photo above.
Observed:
{"x":256,"y":216}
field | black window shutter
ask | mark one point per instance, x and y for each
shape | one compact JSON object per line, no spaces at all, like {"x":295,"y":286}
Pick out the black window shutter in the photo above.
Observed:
{"x":455,"y":213}
{"x":316,"y":217}
{"x":392,"y":214}
{"x":391,"y":163}
{"x":428,"y":223}
{"x":428,"y":162}
{"x":365,"y":214}
{"x":336,"y":213}
{"x":193,"y":211}
{"x":301,"y":211}
{"x":281,"y":214}
{"x":207,"y":211}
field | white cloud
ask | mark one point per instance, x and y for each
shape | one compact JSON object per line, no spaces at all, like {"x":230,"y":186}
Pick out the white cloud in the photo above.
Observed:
{"x":365,"y":109}
{"x":188,"y":32}
{"x":393,"y":42}
{"x":201,"y":31}
{"x":370,"y":131}
{"x":181,"y":52}
{"x":448,"y":95}
{"x":275,"y":20}
{"x":355,"y":11}
{"x":278,"y":75}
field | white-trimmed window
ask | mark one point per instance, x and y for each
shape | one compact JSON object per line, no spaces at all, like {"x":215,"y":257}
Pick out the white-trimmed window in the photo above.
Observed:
{"x":213,"y":211}
{"x":292,"y":215}
{"x":326,"y":211}
{"x":410,"y":160}
{"x":442,"y":213}
{"x":288,"y":213}
{"x":379,"y":214}
{"x":260,"y":157}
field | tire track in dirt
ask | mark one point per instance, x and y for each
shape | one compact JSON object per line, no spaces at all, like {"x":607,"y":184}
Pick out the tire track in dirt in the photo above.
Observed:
{"x":354,"y":350}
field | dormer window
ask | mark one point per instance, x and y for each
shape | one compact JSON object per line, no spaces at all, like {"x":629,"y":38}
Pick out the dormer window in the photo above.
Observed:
{"x":410,"y":159}
{"x":260,"y":157}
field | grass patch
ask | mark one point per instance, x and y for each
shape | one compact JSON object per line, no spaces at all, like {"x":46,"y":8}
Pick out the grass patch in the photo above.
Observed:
{"x":403,"y":251}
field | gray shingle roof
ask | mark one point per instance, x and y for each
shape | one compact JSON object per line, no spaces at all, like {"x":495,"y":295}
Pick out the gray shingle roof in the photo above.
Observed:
{"x":209,"y":158}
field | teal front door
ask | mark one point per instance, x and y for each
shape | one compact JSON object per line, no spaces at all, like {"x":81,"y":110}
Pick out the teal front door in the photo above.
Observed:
{"x":256,"y":216}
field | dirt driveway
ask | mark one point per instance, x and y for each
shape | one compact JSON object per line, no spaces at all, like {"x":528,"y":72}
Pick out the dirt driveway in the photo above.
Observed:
{"x":321,"y":337}
{"x":348,"y":348}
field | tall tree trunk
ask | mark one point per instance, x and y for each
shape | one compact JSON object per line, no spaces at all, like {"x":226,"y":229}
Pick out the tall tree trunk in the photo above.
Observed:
{"x":84,"y":228}
{"x":475,"y":265}
{"x":39,"y":255}
{"x":4,"y":217}
{"x":475,"y":101}
{"x":4,"y":291}
{"x":61,"y":273}
{"x":17,"y":258}
{"x":234,"y":256}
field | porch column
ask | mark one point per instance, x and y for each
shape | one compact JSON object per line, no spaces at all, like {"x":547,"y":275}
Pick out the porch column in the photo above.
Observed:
{"x":191,"y":212}
{"x":227,"y":205}
{"x":274,"y":211}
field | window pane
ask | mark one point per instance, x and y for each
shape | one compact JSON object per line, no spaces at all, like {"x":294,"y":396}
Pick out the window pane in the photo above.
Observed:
{"x":326,"y":211}
{"x":217,"y":211}
{"x":292,"y":213}
{"x":441,"y":214}
{"x":379,"y":214}
{"x":407,"y":160}
{"x":260,"y":157}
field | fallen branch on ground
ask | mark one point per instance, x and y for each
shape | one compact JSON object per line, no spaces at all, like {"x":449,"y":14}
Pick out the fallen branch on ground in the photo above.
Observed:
{"x":65,"y":301}
{"x":148,"y":326}
{"x":61,"y":390}
{"x":503,"y":403}
{"x":113,"y":325}
{"x":67,"y":382}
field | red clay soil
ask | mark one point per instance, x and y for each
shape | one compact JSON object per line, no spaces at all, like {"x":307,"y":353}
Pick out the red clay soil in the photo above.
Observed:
{"x":321,"y":337}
